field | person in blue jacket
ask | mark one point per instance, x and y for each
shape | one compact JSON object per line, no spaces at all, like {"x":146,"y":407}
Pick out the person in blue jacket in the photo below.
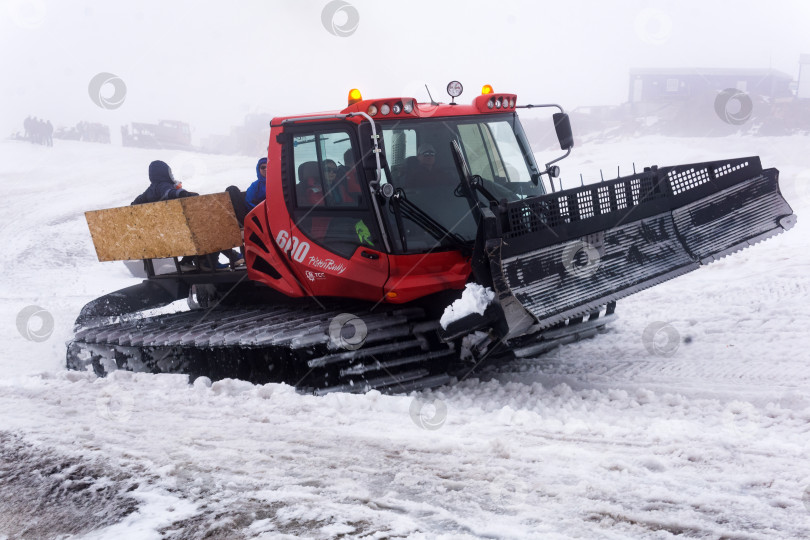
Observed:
{"x":162,"y":185}
{"x":256,"y":193}
{"x":243,"y":203}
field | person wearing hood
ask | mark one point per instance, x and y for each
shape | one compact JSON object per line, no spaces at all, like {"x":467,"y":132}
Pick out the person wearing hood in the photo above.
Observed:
{"x":162,"y":185}
{"x":243,"y":203}
{"x":256,"y":193}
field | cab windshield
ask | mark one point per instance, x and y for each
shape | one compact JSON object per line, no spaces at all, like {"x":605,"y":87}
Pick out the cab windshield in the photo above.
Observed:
{"x":420,"y":161}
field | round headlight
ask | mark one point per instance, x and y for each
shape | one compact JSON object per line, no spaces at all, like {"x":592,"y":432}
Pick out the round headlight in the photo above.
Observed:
{"x":397,"y":108}
{"x":385,"y":109}
{"x":498,"y":103}
{"x":512,"y":102}
{"x":408,"y":107}
{"x":387,"y":190}
{"x":490,"y":103}
{"x":372,"y":110}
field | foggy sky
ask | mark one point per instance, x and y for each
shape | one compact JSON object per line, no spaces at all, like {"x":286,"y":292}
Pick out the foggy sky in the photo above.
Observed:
{"x":212,"y":62}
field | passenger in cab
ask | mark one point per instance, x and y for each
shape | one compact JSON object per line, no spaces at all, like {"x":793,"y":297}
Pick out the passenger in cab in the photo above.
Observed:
{"x":330,"y":169}
{"x":309,"y":189}
{"x":341,"y":182}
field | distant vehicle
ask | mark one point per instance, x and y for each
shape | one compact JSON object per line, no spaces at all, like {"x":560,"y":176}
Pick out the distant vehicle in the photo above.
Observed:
{"x":67,"y":133}
{"x":84,"y":131}
{"x":164,"y":134}
{"x":94,"y":132}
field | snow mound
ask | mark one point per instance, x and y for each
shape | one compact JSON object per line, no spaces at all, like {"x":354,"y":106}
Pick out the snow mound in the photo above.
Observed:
{"x":474,"y":299}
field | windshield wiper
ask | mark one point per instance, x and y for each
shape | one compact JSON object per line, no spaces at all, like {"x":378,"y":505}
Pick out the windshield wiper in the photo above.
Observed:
{"x":404,"y":208}
{"x":477,"y":184}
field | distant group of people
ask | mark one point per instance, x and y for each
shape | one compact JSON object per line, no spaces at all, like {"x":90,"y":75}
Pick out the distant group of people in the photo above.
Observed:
{"x":38,"y":131}
{"x":93,"y":132}
{"x":42,"y":132}
{"x":163,"y":187}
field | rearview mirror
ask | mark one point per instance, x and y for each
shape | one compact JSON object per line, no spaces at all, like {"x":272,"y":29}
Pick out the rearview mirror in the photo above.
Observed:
{"x":562,"y":125}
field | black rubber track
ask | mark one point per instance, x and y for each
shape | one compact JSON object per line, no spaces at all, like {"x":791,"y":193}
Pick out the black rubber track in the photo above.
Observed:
{"x":393,"y":349}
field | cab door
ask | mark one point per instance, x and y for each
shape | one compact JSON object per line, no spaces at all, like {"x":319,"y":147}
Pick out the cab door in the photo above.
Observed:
{"x":334,"y":244}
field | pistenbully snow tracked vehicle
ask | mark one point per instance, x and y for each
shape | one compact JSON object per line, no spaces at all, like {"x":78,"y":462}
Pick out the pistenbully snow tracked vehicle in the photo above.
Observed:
{"x":378,"y":215}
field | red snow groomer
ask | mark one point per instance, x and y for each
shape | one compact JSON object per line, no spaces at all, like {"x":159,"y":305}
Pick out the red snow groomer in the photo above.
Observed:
{"x":376,"y":218}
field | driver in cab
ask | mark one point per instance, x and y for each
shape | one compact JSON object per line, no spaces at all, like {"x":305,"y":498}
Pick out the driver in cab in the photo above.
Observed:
{"x":421,"y":171}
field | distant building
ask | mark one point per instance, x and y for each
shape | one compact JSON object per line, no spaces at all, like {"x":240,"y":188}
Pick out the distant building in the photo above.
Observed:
{"x":250,"y":139}
{"x":254,"y":135}
{"x":803,"y":86}
{"x":703,"y":102}
{"x":685,"y":101}
{"x":661,"y":84}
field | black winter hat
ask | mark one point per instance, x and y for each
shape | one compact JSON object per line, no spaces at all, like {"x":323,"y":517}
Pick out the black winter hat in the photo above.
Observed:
{"x":159,"y":171}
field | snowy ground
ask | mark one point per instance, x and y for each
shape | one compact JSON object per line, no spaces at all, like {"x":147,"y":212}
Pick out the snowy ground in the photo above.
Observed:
{"x":705,"y":436}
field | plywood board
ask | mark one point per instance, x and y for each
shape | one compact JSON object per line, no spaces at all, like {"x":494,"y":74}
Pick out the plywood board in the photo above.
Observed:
{"x":180,"y":227}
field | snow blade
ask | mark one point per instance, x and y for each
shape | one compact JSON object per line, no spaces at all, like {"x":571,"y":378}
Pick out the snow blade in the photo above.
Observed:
{"x":146,"y":295}
{"x":565,"y":254}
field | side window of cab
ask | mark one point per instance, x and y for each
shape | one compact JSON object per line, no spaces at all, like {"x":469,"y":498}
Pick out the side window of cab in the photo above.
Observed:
{"x":331,"y":207}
